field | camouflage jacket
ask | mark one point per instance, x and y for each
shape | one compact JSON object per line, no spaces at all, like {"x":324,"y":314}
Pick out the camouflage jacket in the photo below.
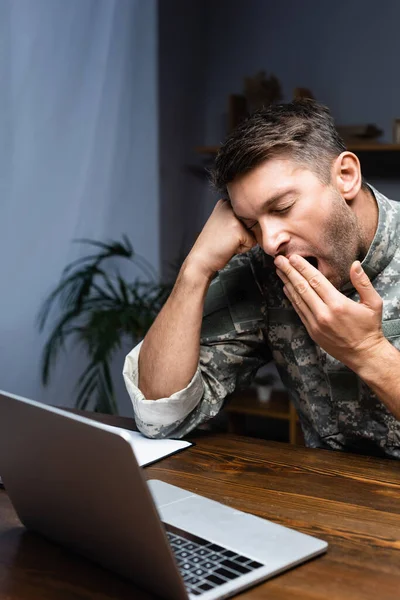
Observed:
{"x":248,"y":321}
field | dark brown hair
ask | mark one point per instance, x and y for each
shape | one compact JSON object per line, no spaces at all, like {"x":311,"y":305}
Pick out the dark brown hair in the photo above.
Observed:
{"x":303,"y":130}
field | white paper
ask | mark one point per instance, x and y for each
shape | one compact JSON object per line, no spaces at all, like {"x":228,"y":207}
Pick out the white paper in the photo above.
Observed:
{"x":149,"y":450}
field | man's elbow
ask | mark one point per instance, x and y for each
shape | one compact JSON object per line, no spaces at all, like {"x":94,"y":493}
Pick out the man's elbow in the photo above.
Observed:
{"x":157,"y":432}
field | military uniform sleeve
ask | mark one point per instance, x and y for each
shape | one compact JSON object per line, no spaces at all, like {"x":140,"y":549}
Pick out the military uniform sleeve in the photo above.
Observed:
{"x":232,"y":349}
{"x":160,"y":418}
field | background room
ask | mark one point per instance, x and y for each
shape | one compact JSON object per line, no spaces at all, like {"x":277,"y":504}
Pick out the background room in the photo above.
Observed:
{"x":111,"y":111}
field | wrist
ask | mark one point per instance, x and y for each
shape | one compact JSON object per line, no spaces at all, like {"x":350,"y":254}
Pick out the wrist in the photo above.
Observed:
{"x":368,"y":361}
{"x":195,"y":275}
{"x":195,"y":270}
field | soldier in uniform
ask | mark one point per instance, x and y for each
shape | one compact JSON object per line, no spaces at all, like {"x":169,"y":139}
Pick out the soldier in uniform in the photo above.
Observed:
{"x":298,"y":263}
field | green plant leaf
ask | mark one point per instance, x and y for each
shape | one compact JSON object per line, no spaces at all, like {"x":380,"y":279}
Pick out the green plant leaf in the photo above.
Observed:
{"x":55,"y":343}
{"x":97,"y":308}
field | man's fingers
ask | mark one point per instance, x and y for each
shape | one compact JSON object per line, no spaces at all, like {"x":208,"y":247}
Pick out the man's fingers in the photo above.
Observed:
{"x":307,"y":281}
{"x":368,"y":295}
{"x":247,"y":244}
{"x":298,"y":304}
{"x":282,"y":275}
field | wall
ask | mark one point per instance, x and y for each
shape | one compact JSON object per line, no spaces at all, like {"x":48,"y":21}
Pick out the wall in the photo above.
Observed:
{"x":183,"y":68}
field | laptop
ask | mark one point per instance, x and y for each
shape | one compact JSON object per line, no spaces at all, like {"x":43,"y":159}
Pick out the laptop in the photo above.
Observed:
{"x":77,"y":482}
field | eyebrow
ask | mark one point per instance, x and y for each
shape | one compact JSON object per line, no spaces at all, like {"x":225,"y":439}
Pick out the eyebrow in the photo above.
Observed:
{"x":267,"y":202}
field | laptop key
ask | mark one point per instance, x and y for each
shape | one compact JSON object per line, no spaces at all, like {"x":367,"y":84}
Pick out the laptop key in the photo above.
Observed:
{"x":183,"y":554}
{"x":215,"y":547}
{"x":179,"y":541}
{"x":208,"y":565}
{"x":229,"y":553}
{"x":191,"y":580}
{"x":225,"y":573}
{"x":254,"y":564}
{"x":241,"y":559}
{"x":236,"y":566}
{"x":191,"y":547}
{"x":195,"y":559}
{"x":214,"y":557}
{"x":204,"y":587}
{"x":215,"y":579}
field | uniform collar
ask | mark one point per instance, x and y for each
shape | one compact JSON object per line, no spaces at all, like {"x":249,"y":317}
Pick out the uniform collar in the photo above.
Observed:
{"x":385,"y":241}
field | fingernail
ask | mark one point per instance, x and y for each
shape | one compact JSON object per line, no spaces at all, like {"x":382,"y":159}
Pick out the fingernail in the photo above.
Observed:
{"x":358,"y":269}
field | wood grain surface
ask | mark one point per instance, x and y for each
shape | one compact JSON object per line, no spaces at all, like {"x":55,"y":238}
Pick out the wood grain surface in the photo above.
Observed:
{"x":352,"y":502}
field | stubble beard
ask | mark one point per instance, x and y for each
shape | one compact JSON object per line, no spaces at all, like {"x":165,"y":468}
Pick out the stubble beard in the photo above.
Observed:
{"x":345,"y":239}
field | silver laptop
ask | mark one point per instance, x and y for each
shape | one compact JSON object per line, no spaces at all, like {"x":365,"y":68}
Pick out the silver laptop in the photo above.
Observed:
{"x":77,"y":482}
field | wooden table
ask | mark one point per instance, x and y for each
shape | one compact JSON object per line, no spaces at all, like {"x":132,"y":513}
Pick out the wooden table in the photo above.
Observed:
{"x":353,"y":502}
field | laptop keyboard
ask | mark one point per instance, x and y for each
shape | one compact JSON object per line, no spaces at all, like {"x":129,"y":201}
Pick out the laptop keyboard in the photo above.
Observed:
{"x":204,"y":565}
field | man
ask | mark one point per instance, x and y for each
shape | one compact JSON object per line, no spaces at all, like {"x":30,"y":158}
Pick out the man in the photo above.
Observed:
{"x":308,"y":275}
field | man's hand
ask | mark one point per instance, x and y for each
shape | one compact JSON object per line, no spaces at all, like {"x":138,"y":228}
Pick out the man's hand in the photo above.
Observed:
{"x":222,"y":237}
{"x":349,"y":331}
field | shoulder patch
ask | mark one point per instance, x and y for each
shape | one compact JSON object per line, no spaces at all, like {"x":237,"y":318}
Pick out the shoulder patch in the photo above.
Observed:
{"x":244,"y":297}
{"x":217,"y":318}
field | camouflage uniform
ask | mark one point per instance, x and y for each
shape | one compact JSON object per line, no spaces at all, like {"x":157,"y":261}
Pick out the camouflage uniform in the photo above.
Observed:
{"x":248,"y":321}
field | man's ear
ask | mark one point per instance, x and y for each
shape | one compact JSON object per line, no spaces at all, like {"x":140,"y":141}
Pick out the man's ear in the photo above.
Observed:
{"x":346,"y":173}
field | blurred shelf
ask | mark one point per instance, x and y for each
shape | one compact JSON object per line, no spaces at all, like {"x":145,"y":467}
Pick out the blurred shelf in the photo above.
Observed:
{"x":246,"y":403}
{"x":278,"y":407}
{"x":207,"y":149}
{"x":374,"y":147}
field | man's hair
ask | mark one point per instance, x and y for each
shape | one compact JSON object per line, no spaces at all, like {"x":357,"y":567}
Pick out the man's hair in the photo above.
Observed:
{"x":303,"y":130}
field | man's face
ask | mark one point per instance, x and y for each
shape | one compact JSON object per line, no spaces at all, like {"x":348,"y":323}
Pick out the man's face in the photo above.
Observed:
{"x":290,"y":211}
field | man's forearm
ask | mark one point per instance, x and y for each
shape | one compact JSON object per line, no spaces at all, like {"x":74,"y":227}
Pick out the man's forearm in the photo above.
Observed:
{"x":170,"y":351}
{"x":380,"y":370}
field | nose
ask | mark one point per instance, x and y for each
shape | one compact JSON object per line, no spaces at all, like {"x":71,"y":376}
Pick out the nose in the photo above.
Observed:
{"x":274,"y":236}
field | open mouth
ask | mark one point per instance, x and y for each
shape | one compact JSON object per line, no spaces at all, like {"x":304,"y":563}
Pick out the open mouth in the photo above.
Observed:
{"x":312,"y":260}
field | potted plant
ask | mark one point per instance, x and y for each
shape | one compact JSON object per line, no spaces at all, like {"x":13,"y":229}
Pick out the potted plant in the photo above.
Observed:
{"x":97,"y":308}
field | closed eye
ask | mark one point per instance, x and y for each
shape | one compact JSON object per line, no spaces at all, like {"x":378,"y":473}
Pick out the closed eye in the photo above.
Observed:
{"x":250,"y":227}
{"x":282,"y":210}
